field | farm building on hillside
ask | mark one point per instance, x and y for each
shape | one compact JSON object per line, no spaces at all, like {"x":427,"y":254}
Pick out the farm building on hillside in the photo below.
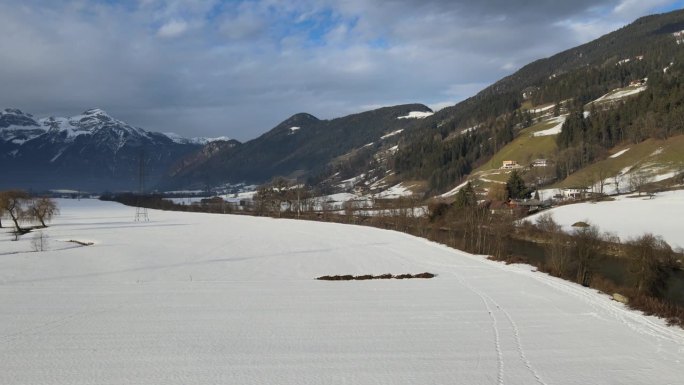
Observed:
{"x":509,"y":164}
{"x":541,"y":163}
{"x":518,"y":208}
{"x":638,"y":82}
{"x":574,"y":192}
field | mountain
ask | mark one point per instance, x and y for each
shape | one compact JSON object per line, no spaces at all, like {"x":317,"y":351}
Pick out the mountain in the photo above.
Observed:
{"x":300,"y":146}
{"x":644,"y":60}
{"x":574,"y":108}
{"x":91,"y":151}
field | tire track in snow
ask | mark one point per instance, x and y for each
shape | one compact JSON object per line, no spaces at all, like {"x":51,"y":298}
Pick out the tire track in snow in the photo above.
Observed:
{"x":518,"y":342}
{"x":516,"y":331}
{"x":630,"y":318}
{"x":492,"y":316}
{"x":514,"y":326}
{"x":495,"y":328}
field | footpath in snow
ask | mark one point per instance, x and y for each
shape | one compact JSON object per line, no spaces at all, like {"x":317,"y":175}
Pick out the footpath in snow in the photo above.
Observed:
{"x":193,"y":298}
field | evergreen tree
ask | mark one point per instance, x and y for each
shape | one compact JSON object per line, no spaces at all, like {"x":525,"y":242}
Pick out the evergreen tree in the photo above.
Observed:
{"x":466,"y":197}
{"x":516,"y":187}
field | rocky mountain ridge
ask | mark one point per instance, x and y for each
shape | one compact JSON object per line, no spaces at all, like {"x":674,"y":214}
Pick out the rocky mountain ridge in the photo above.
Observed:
{"x":91,"y":151}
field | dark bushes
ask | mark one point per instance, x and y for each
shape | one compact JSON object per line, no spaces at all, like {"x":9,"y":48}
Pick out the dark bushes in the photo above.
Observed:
{"x":425,"y":275}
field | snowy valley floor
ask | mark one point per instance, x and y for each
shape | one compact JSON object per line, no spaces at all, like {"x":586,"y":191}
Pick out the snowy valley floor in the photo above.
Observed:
{"x":628,"y":216}
{"x":218,"y":299}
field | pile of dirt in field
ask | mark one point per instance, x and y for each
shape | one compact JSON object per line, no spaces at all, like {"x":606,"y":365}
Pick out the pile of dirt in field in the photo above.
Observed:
{"x":348,"y":277}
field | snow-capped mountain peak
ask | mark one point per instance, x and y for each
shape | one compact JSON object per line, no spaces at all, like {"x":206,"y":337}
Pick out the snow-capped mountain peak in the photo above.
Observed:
{"x":12,"y":117}
{"x":92,"y":149}
{"x":91,"y":122}
{"x":17,"y":127}
{"x":200,"y":140}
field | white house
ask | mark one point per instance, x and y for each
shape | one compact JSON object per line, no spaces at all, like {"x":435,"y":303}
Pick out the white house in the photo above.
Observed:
{"x":541,"y":163}
{"x":509,"y":164}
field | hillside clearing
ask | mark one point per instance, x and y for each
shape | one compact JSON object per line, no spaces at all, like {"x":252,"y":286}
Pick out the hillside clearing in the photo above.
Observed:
{"x":653,"y":157}
{"x":526,"y":147}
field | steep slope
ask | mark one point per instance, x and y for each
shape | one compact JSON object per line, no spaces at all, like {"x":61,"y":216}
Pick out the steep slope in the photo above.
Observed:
{"x":448,"y":146}
{"x":91,"y":151}
{"x":302,"y":145}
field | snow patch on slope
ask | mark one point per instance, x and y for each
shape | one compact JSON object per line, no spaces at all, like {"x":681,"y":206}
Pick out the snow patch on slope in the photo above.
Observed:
{"x":617,"y":154}
{"x":555,"y":130}
{"x":542,"y":109}
{"x":658,"y":151}
{"x":453,"y":191}
{"x":417,"y":115}
{"x":394,"y":192}
{"x":391,"y":134}
{"x":619,"y":94}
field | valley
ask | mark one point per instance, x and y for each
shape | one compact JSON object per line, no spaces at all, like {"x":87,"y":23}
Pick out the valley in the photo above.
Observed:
{"x":391,"y":213}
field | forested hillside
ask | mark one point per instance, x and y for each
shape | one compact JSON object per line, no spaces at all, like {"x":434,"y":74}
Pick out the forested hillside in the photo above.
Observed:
{"x":299,"y":147}
{"x":449,"y":145}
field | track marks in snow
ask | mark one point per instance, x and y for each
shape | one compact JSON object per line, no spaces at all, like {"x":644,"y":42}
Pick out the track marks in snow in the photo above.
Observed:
{"x":486,"y":300}
{"x":635,"y":321}
{"x":516,"y":335}
{"x":600,"y":302}
{"x":497,"y":336}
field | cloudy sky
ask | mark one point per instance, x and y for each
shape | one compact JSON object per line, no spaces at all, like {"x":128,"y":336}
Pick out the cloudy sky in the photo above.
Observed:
{"x":238,"y":68}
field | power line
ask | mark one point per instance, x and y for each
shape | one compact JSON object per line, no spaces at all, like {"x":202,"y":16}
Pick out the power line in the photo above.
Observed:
{"x":141,"y":214}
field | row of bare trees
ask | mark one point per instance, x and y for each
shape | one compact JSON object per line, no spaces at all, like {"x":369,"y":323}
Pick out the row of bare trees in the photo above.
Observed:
{"x":22,"y":208}
{"x":576,"y":255}
{"x":280,"y":196}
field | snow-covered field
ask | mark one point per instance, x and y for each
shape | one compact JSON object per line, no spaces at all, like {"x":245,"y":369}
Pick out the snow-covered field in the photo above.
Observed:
{"x":629,"y":217}
{"x":193,"y":298}
{"x":556,"y":129}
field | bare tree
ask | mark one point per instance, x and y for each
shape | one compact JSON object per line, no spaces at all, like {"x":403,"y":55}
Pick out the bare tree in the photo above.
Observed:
{"x":600,"y":176}
{"x":557,"y":246}
{"x":13,"y":204}
{"x":637,"y":181}
{"x":349,"y":208}
{"x":3,"y":206}
{"x":652,"y":259}
{"x":616,"y":182}
{"x":269,"y":198}
{"x":586,"y":248}
{"x":43,"y":209}
{"x":500,"y":230}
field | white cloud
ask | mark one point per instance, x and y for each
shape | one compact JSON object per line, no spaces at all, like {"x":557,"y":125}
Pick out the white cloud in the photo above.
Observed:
{"x":635,"y":8}
{"x":441,"y":105}
{"x":241,"y":67}
{"x":173,"y":28}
